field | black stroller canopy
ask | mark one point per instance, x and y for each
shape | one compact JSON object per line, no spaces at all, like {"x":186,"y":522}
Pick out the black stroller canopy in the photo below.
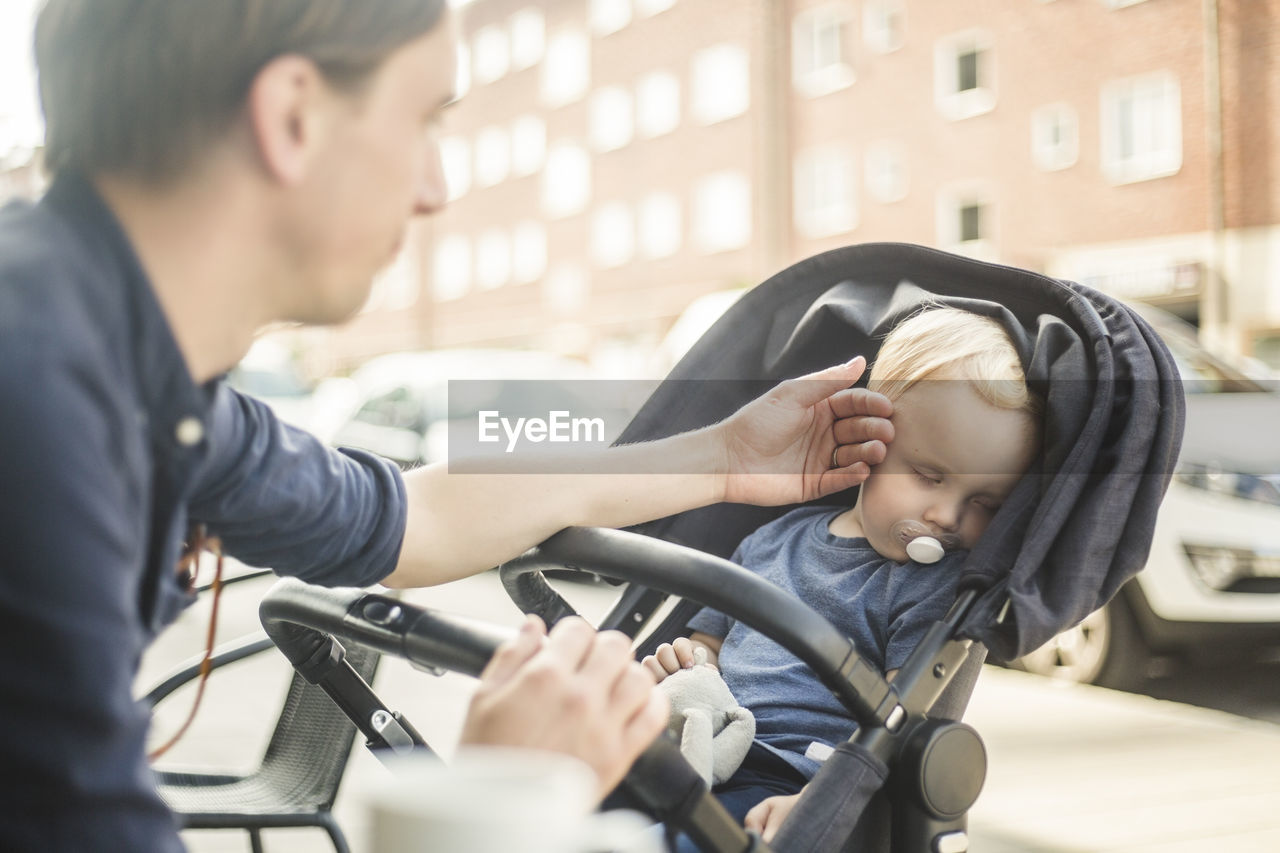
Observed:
{"x":1076,"y":527}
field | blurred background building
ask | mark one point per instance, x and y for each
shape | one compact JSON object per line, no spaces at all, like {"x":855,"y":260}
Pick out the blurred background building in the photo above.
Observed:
{"x":613,"y":160}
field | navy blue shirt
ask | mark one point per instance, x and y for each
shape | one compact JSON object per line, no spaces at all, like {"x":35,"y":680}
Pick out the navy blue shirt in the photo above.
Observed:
{"x":883,"y":606}
{"x":108,"y":449}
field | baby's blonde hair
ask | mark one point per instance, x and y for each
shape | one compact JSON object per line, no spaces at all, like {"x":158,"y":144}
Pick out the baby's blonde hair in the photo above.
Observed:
{"x":948,"y":343}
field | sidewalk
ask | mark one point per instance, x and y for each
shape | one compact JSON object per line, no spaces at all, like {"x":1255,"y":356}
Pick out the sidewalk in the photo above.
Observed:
{"x":1084,"y":769}
{"x":1072,"y":769}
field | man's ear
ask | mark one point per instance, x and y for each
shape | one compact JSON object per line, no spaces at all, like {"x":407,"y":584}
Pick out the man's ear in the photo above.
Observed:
{"x":289,"y":110}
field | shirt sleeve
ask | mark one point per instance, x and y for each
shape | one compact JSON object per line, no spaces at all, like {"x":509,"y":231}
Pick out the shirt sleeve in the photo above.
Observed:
{"x":72,"y":738}
{"x":278,"y":497}
{"x":920,"y":603}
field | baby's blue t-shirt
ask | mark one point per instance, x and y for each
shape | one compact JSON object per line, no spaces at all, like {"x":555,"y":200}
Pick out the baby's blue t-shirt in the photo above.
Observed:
{"x":883,"y":606}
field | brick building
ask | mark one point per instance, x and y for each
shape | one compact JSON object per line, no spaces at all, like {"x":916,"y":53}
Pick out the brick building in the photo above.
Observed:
{"x":614,"y":159}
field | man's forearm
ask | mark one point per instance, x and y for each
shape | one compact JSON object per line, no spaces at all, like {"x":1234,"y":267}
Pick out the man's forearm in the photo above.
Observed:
{"x":463,"y":523}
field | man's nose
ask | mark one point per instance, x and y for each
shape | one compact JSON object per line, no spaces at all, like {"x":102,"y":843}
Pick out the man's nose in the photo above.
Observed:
{"x":432,"y":191}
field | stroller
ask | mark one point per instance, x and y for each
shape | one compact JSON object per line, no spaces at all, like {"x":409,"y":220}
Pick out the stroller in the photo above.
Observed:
{"x":1075,"y":528}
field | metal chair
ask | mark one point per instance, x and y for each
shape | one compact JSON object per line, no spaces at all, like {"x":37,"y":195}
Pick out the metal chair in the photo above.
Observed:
{"x":296,"y":783}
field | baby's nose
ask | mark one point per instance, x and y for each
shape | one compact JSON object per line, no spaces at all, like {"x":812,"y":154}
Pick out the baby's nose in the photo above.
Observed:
{"x":945,"y":514}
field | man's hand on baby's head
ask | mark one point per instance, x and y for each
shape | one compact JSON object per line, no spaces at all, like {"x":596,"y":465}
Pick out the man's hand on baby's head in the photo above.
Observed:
{"x":862,"y":426}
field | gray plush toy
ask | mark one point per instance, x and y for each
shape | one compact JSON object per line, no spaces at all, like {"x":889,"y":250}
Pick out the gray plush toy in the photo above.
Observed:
{"x":715,"y":731}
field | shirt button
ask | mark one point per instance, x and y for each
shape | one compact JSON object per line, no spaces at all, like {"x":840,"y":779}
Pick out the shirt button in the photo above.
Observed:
{"x":189,"y":431}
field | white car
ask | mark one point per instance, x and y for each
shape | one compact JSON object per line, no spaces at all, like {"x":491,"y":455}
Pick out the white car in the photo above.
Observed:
{"x":1211,"y":586}
{"x":410,"y":403}
{"x":270,"y":373}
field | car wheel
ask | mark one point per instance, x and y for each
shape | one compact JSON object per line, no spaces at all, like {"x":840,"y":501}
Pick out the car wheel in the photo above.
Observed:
{"x":1105,"y":649}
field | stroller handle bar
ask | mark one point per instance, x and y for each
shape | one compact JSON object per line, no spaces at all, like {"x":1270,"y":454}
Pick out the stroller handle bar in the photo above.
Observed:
{"x":304,"y":622}
{"x":719,"y":584}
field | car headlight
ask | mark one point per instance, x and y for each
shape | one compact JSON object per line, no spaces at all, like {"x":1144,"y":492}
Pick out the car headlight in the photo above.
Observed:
{"x":1253,"y":487}
{"x":1231,"y":569}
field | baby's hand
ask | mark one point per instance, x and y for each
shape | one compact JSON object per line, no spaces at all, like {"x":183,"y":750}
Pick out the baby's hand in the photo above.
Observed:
{"x":767,"y":817}
{"x":670,"y":658}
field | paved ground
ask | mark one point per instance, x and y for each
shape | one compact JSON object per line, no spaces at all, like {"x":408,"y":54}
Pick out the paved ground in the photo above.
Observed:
{"x":1073,"y":770}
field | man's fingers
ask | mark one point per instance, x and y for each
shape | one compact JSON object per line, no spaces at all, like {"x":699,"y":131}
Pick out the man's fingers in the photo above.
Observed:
{"x":608,"y":658}
{"x":570,"y":640}
{"x":816,"y":387}
{"x":647,"y":722}
{"x":517,"y":651}
{"x":858,"y":402}
{"x":869,"y":453}
{"x":858,"y":429}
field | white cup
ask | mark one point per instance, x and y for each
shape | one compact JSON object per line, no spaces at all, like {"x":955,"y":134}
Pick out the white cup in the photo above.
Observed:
{"x":498,"y":800}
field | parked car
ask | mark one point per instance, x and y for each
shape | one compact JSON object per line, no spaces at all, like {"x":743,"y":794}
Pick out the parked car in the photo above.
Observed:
{"x":270,"y":373}
{"x":1211,"y":586}
{"x":410,"y":403}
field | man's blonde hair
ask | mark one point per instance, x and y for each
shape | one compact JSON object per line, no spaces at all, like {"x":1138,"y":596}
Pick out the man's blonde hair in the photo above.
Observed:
{"x":948,"y":343}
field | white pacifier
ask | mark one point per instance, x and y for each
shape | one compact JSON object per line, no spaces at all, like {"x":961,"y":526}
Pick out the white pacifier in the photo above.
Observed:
{"x":921,"y":543}
{"x":925,"y":549}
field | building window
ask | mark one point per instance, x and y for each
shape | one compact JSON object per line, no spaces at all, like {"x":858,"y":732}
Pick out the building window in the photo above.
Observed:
{"x":721,"y":83}
{"x":528,"y":38}
{"x":493,"y":259}
{"x":661,"y":225}
{"x":566,"y":69}
{"x":528,"y":145}
{"x":887,"y":177}
{"x":566,"y":288}
{"x":613,"y":235}
{"x":528,"y":252}
{"x":884,"y":25}
{"x":964,"y":75}
{"x":966,"y":221}
{"x":1141,"y":128}
{"x":820,"y":59}
{"x":825,"y":192}
{"x":491,"y":54}
{"x":1055,"y":137}
{"x":653,"y":7}
{"x":657,"y":103}
{"x":566,"y":180}
{"x":462,"y":79}
{"x":610,"y":118}
{"x":455,"y":161}
{"x":722,"y":212}
{"x":451,"y":268}
{"x":493,"y":156}
{"x":609,"y":16}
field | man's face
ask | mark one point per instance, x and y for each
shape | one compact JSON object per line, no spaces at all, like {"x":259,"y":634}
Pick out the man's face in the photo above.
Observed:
{"x":953,"y":461}
{"x":379,"y":167}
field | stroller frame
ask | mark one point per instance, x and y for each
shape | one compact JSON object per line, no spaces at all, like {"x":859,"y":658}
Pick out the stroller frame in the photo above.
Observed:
{"x":941,"y":763}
